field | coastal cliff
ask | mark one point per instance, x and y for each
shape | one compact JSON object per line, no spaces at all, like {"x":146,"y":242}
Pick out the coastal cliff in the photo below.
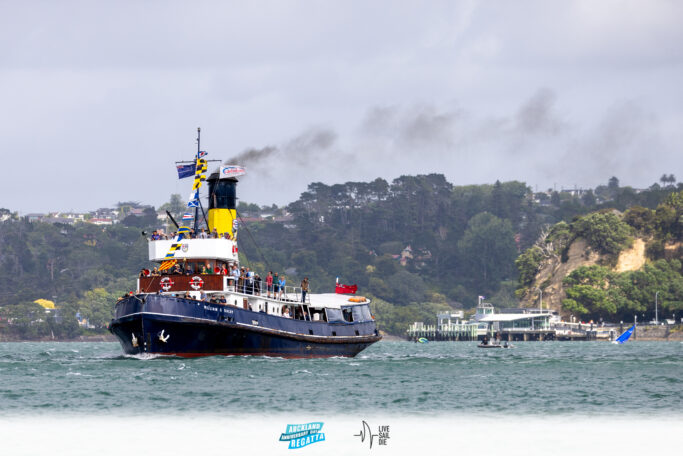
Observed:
{"x":608,"y":265}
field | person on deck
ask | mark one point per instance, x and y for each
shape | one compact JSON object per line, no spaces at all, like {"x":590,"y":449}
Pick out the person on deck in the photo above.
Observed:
{"x":276,"y":285}
{"x":304,"y":289}
{"x":241,"y":283}
{"x":285,"y":312}
{"x":235,"y":273}
{"x":281,"y":286}
{"x":269,"y":282}
{"x":257,"y":285}
{"x":250,"y":281}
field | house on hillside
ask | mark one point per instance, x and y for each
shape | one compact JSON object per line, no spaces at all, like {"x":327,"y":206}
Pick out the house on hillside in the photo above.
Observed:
{"x":103,"y":216}
{"x":75,"y":216}
{"x":101,"y":221}
{"x":34,"y":217}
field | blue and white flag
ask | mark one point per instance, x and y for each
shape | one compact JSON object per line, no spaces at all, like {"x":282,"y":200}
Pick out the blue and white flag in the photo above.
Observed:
{"x":203,"y":153}
{"x":185,"y":171}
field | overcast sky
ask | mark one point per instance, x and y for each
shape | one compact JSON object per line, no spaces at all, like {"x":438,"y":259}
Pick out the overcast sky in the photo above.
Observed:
{"x":98,"y":99}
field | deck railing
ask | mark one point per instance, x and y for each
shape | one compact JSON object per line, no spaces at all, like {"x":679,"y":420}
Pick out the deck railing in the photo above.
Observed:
{"x":287,"y":294}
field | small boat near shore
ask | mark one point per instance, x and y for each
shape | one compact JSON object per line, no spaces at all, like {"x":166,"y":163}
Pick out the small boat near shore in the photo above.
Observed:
{"x":506,"y":345}
{"x":624,"y":336}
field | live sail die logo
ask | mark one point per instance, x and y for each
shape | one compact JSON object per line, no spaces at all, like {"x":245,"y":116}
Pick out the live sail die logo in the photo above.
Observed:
{"x":380,"y":437}
{"x":301,"y":435}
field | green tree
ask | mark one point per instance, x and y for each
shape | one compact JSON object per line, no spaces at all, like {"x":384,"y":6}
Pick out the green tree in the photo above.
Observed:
{"x":528,"y":264}
{"x":488,"y":250}
{"x":175,"y":205}
{"x":604,"y":231}
{"x":97,"y":306}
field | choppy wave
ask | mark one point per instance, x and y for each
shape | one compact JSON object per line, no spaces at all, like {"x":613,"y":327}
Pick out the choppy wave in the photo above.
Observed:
{"x":533,"y":378}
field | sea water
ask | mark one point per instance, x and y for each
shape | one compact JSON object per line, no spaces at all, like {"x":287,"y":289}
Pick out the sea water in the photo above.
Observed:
{"x":457,"y":378}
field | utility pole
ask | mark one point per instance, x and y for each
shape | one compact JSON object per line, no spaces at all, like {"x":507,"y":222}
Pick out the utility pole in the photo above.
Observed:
{"x":635,"y":327}
{"x":540,"y":304}
{"x":656,"y":316}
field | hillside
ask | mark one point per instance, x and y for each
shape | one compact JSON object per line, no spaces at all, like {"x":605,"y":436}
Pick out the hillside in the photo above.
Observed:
{"x":416,"y":245}
{"x":608,"y":264}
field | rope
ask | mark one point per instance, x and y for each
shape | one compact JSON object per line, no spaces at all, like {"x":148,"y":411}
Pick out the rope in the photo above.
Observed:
{"x":265,"y":260}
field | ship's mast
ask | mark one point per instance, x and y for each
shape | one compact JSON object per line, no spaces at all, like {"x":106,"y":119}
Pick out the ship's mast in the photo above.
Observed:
{"x":196,"y":209}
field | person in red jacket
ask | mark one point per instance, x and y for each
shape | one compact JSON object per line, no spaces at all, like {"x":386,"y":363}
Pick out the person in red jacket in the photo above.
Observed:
{"x":269,"y":282}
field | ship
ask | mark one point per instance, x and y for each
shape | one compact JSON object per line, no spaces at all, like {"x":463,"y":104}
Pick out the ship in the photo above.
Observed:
{"x":193,"y":308}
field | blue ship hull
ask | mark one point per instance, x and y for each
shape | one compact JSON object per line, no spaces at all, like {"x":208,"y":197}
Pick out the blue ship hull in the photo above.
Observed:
{"x":158,"y":324}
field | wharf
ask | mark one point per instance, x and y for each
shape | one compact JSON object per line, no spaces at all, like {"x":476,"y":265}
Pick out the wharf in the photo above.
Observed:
{"x":524,"y":335}
{"x":452,"y":332}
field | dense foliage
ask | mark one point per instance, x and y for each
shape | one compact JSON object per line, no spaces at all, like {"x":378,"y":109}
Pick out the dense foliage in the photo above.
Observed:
{"x":418,"y":244}
{"x":597,"y":292}
{"x":605,"y":232}
{"x":83,"y":268}
{"x":464,"y":240}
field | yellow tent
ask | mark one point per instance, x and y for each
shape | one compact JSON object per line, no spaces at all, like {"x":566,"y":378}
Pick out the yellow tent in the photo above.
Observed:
{"x":45,"y":303}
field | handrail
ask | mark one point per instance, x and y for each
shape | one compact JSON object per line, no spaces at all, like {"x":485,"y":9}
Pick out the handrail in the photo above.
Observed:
{"x":289,"y":294}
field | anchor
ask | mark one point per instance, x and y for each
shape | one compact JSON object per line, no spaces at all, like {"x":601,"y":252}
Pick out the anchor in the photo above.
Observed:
{"x":162,"y":337}
{"x":134,"y":340}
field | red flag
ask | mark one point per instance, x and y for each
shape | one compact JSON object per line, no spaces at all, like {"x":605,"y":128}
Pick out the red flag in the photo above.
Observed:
{"x":346,"y":289}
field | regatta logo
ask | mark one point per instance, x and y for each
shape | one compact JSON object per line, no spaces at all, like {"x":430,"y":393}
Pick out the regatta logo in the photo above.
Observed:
{"x":301,"y":435}
{"x":184,"y":247}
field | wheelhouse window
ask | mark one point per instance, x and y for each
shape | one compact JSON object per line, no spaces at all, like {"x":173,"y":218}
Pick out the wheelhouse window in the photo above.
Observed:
{"x":361,"y":313}
{"x":334,"y":315}
{"x":347,"y":312}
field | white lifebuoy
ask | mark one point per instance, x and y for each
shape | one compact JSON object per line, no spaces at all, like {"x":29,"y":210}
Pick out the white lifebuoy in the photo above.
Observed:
{"x":166,"y":283}
{"x":196,"y":283}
